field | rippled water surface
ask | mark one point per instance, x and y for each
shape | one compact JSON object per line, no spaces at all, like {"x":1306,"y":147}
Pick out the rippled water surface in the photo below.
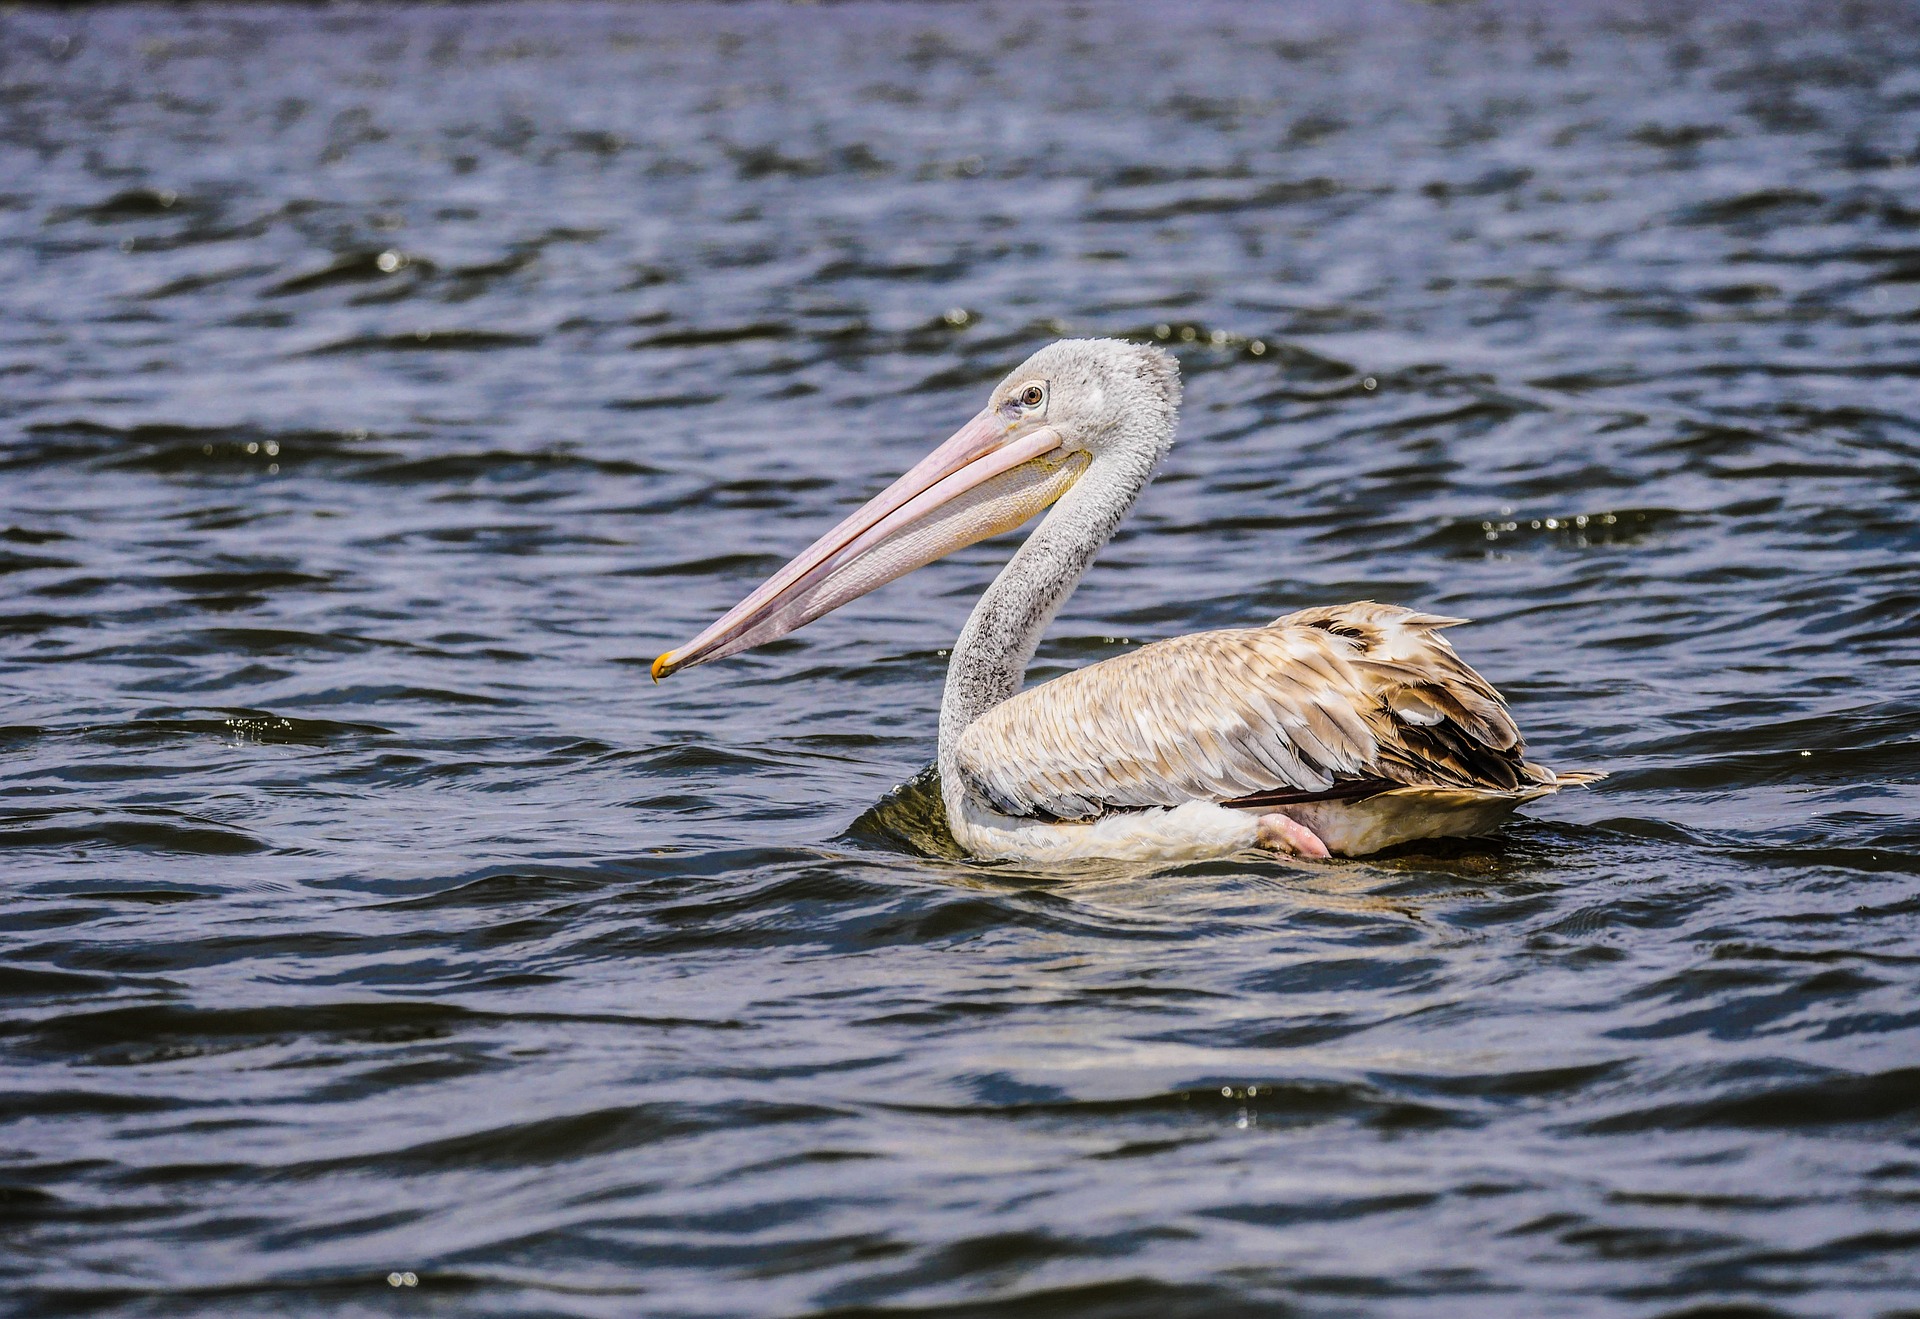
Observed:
{"x":381,"y":389}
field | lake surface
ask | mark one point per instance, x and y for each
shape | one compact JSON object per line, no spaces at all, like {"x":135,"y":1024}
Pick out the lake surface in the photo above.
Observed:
{"x":381,"y":389}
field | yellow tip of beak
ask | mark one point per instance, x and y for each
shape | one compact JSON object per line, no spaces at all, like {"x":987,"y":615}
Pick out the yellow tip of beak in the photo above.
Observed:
{"x":663,"y":666}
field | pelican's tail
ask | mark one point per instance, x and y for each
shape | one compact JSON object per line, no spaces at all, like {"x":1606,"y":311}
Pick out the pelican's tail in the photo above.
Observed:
{"x":1577,"y":778}
{"x":1405,"y":815}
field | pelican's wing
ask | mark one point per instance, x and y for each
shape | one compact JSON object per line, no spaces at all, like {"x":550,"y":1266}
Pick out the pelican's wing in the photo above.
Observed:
{"x":1331,"y":701}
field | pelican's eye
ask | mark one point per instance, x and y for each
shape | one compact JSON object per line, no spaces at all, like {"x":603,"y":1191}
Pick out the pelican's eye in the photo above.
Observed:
{"x":1032,"y":396}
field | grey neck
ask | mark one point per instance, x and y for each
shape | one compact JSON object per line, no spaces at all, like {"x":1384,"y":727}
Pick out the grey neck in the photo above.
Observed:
{"x":990,"y":659}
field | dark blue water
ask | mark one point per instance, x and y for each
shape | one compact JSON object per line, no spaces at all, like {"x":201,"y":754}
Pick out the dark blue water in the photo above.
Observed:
{"x":382,"y":388}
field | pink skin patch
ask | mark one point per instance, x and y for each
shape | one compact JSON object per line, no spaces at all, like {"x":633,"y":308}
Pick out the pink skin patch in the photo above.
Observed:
{"x":1283,"y":833}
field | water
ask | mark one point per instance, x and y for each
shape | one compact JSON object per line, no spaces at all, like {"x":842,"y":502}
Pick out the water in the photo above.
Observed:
{"x":384,"y":388}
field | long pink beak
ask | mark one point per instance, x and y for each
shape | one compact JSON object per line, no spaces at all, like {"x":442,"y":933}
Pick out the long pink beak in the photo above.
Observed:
{"x":896,"y":531}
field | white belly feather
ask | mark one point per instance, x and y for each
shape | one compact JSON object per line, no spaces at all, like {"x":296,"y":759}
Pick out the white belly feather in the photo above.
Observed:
{"x":1200,"y":831}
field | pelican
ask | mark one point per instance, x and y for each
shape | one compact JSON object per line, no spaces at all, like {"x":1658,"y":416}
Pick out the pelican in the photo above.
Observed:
{"x":1339,"y":730}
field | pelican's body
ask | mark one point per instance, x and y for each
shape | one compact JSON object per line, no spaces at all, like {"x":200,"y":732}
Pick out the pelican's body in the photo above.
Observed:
{"x":1339,"y":730}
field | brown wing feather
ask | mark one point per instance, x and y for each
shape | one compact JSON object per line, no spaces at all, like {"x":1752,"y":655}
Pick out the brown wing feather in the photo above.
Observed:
{"x":1335,"y":701}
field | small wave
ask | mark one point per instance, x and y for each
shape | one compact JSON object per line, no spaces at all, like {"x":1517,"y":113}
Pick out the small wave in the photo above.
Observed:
{"x":717,"y":335}
{"x":427,"y":341}
{"x":1838,"y":1099}
{"x":168,"y":448}
{"x":151,"y":830}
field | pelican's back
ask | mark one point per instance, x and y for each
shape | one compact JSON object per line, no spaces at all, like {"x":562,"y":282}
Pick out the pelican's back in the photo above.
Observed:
{"x":1332,"y":705}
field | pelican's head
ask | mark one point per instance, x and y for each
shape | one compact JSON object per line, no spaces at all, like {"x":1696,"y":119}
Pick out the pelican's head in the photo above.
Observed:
{"x":1070,"y":405}
{"x":1103,"y":397}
